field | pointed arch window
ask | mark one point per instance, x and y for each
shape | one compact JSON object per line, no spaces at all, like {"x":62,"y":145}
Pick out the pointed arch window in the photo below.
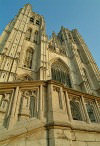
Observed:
{"x":60,"y":73}
{"x":29,"y":58}
{"x":75,"y":110}
{"x":90,"y":110}
{"x":28,"y":34}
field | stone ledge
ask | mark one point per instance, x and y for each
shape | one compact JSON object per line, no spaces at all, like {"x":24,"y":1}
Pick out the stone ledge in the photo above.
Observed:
{"x":21,"y":128}
{"x":82,"y":126}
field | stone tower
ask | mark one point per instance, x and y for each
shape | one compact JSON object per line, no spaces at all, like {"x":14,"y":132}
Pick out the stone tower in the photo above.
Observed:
{"x":22,"y":43}
{"x":27,"y":54}
{"x":49,"y":88}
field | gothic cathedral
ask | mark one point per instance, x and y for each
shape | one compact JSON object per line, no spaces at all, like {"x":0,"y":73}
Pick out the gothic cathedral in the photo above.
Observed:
{"x":49,"y":88}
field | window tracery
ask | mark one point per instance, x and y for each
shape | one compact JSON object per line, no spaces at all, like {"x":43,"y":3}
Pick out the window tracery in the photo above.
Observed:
{"x":76,"y":108}
{"x":60,"y":73}
{"x":91,"y":110}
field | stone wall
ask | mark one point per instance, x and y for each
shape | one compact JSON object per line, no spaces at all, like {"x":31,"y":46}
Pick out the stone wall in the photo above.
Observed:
{"x":40,"y":113}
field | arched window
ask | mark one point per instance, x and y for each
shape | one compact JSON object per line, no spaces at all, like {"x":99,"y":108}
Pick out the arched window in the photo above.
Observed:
{"x":75,"y":110}
{"x":59,"y":72}
{"x":32,"y":19}
{"x":28,"y":34}
{"x":28,"y":58}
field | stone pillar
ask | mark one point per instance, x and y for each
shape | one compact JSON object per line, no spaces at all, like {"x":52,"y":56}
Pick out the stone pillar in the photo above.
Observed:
{"x":3,"y":109}
{"x":49,"y":103}
{"x":68,"y":107}
{"x":13,"y":108}
{"x":41,"y":103}
{"x":63,"y":96}
{"x":85,"y":110}
{"x":17,"y":106}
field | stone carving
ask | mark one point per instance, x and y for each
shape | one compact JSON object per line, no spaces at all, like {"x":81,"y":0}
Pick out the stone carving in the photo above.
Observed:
{"x":4,"y":101}
{"x":28,"y":58}
{"x":4,"y":104}
{"x":28,"y":104}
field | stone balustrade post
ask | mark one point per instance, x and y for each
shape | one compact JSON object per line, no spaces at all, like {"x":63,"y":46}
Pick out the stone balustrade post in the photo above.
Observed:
{"x":98,"y":110}
{"x":41,"y":103}
{"x":68,"y":107}
{"x":13,"y":108}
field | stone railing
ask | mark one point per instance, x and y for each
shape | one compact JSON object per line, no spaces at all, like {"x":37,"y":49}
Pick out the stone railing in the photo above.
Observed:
{"x":47,"y":101}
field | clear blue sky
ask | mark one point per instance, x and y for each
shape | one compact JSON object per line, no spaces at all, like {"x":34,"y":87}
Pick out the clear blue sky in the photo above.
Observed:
{"x":81,"y":14}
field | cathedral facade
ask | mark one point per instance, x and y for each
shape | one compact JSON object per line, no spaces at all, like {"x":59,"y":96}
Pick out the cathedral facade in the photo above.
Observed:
{"x":49,"y":88}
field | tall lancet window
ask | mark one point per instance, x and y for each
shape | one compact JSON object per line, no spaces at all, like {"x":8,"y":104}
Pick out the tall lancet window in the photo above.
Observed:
{"x":28,"y":58}
{"x":28,"y":34}
{"x":36,"y":37}
{"x":60,"y":73}
{"x":86,"y":81}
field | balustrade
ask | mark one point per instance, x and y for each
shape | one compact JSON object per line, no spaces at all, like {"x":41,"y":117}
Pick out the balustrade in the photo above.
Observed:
{"x":24,"y":100}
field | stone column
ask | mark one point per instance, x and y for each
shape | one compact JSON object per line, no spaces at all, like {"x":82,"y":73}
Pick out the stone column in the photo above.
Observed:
{"x":85,"y":110}
{"x":61,"y":94}
{"x":41,"y":103}
{"x":68,"y":107}
{"x":49,"y":103}
{"x":17,"y":106}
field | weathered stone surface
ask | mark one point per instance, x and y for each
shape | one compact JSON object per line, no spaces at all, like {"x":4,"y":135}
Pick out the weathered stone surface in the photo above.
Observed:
{"x":49,"y":90}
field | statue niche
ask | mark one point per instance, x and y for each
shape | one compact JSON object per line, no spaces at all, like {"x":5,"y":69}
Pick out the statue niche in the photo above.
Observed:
{"x":4,"y":105}
{"x":28,"y":104}
{"x":28,"y":58}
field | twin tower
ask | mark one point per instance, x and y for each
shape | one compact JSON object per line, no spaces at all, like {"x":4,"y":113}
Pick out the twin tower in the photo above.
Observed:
{"x":26,"y":53}
{"x":49,"y":88}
